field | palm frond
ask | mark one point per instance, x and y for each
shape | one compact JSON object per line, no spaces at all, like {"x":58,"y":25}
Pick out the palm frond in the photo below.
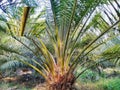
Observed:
{"x":12,"y":64}
{"x":8,"y":49}
{"x":112,"y":52}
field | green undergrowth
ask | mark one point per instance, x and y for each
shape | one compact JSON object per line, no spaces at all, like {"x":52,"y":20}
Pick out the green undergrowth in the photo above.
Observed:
{"x":102,"y":84}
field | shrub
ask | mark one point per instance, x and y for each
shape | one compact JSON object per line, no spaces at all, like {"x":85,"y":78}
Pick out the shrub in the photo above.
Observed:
{"x":89,"y":75}
{"x":111,"y":84}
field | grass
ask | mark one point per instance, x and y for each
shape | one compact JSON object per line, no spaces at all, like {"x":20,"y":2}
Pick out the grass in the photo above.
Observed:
{"x":103,"y":84}
{"x":110,"y":84}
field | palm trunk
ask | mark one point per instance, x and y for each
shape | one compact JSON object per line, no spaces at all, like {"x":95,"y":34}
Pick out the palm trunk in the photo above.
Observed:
{"x":23,"y":20}
{"x":64,"y":83}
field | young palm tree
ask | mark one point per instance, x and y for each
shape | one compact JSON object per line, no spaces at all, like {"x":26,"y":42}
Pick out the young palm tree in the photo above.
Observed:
{"x":74,"y":31}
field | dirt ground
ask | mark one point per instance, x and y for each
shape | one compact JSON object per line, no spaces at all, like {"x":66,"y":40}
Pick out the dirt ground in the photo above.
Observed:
{"x":26,"y":80}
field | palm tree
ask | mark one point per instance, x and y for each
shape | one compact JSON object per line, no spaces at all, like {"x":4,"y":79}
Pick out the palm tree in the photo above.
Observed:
{"x":75,"y":30}
{"x":10,"y":49}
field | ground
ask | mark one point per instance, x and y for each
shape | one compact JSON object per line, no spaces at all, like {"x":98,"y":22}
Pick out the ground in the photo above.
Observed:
{"x":28,"y":81}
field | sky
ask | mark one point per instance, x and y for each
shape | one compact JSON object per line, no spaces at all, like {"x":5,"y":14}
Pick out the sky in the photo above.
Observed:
{"x":41,"y":3}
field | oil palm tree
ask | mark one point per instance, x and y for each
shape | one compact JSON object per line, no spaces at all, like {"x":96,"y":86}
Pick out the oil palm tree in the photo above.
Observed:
{"x":67,"y":27}
{"x":10,"y":24}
